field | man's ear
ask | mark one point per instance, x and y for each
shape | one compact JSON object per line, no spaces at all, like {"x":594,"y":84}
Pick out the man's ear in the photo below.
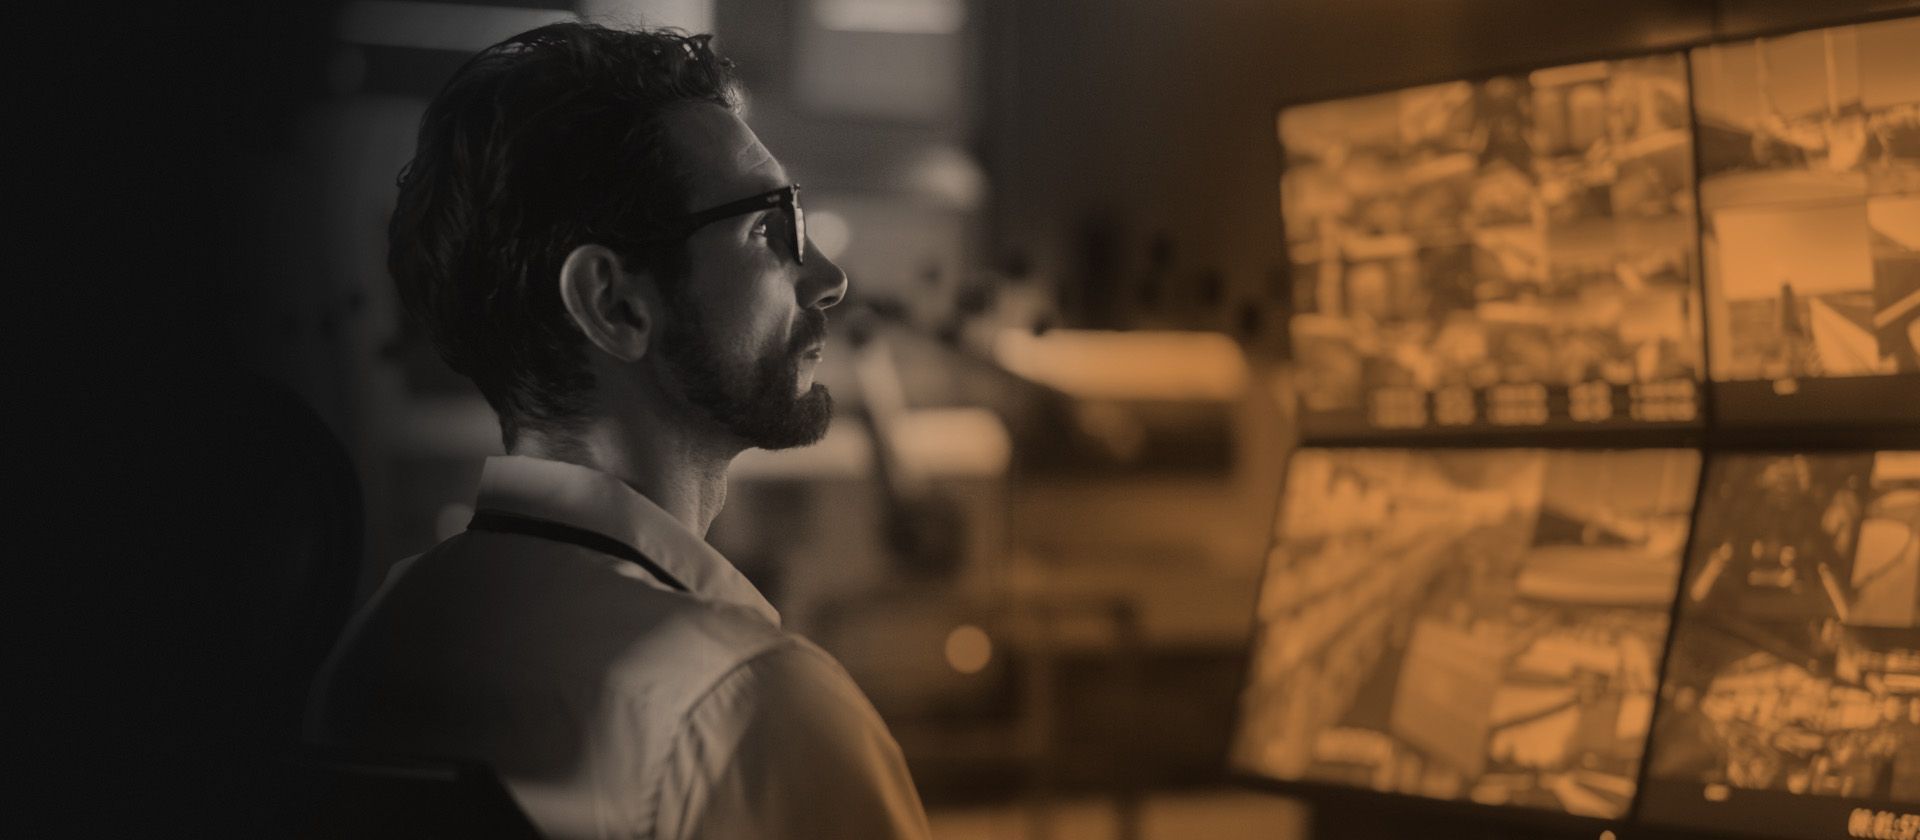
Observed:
{"x":606,"y":302}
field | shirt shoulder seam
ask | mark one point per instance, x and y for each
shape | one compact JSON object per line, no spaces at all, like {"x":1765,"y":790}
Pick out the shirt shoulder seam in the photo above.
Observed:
{"x":684,"y":718}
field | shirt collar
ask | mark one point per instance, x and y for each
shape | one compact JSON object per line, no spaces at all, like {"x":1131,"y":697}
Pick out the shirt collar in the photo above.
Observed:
{"x":587,"y":498}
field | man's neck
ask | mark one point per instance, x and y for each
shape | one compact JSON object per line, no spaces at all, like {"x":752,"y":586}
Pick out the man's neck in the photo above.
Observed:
{"x":687,"y":478}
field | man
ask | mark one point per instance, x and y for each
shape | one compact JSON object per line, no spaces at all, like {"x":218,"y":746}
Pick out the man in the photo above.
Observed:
{"x":590,"y":233}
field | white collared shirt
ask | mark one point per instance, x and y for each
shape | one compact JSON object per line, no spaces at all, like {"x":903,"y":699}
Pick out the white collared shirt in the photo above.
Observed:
{"x":610,"y":704}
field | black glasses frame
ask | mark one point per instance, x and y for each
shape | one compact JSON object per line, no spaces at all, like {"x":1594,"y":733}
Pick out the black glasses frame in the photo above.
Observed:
{"x":786,"y":198}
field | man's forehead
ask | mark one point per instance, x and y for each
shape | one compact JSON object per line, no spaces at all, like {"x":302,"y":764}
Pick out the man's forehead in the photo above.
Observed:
{"x":722,"y":156}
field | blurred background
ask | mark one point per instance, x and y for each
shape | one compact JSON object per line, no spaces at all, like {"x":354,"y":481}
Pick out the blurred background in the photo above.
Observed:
{"x":1035,"y":532}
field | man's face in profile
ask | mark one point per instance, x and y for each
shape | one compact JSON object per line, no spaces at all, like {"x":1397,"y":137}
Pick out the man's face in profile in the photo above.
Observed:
{"x":744,"y":329}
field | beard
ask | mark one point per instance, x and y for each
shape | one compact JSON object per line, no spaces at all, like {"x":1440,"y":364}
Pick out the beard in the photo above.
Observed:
{"x":757,"y":404}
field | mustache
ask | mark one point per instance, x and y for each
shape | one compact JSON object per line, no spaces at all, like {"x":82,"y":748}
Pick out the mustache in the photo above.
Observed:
{"x":811,"y":330}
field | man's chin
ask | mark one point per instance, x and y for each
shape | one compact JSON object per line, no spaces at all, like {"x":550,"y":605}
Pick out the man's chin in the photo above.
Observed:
{"x":804,"y":424}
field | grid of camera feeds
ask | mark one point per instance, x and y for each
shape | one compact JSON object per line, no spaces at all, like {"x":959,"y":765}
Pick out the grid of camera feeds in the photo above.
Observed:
{"x":1518,"y":252}
{"x":1479,"y":625}
{"x":1491,"y":625}
{"x":1810,"y":196}
{"x":1791,"y":705}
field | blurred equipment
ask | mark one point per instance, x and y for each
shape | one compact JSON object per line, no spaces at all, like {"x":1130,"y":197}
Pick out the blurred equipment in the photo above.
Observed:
{"x":978,"y":694}
{"x":1027,"y":673}
{"x":925,"y":531}
{"x":1131,"y":403}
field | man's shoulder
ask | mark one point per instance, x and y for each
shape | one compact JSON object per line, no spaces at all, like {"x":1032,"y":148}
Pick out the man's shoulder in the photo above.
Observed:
{"x":542,"y":616}
{"x":786,"y":743}
{"x":690,"y":642}
{"x":790,"y":681}
{"x":633,"y":635}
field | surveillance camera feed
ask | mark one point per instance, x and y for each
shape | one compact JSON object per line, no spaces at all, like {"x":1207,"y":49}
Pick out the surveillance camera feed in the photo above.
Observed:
{"x":1791,"y":705}
{"x":1810,"y":194}
{"x":1479,"y":625}
{"x":1513,"y":253}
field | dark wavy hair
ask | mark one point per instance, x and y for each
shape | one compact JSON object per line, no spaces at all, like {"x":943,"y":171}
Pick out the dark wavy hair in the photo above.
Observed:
{"x":543,"y":142}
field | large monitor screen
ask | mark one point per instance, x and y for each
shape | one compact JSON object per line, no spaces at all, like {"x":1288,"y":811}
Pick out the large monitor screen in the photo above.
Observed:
{"x":1810,"y":195}
{"x":1515,"y":253}
{"x":1791,"y":704}
{"x":1480,"y":625}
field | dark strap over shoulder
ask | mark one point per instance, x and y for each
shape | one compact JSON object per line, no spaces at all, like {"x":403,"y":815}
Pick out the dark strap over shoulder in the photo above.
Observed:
{"x":507,"y":523}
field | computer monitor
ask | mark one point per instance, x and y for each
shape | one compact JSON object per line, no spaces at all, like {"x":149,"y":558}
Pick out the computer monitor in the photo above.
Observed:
{"x":1791,"y":700}
{"x":1810,"y":199}
{"x":1475,"y":625}
{"x":1516,"y":253}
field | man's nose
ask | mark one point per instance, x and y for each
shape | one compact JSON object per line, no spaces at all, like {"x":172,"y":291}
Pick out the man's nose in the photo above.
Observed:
{"x":822,"y":284}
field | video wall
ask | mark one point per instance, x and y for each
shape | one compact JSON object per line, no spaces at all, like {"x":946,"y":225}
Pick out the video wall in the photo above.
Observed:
{"x":1528,"y":251}
{"x":1810,"y":196}
{"x":1482,"y":625}
{"x":1488,"y":626}
{"x":1792,"y":698}
{"x":1650,"y":615}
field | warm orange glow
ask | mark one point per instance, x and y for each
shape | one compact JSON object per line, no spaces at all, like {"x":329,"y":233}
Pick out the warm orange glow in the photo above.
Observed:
{"x":968,"y":649}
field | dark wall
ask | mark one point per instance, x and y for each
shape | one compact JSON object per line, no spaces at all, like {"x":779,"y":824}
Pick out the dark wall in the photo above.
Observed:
{"x":1743,"y":18}
{"x":1131,"y":145}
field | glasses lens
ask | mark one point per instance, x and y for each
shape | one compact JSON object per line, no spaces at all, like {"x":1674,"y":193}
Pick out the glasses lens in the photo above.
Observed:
{"x":799,"y":232}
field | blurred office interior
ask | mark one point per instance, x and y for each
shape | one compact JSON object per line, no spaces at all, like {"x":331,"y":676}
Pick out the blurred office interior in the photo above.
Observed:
{"x":1035,"y":532}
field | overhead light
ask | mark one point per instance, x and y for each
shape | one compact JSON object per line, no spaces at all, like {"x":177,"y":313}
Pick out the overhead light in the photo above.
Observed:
{"x":898,"y":17}
{"x":439,"y":26}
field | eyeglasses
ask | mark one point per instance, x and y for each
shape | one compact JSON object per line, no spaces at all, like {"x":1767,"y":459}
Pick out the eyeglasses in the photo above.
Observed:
{"x":786,"y":198}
